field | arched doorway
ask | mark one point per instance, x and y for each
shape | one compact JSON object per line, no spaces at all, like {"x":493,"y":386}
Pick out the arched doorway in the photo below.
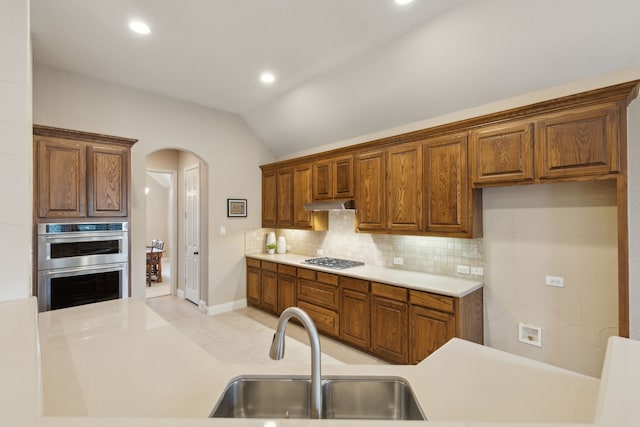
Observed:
{"x":177,"y":208}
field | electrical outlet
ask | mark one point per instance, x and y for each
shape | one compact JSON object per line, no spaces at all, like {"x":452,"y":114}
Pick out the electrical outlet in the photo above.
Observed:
{"x":398,"y":261}
{"x":554,"y":281}
{"x":223,"y":230}
{"x":478,"y":271}
{"x":462,"y":269}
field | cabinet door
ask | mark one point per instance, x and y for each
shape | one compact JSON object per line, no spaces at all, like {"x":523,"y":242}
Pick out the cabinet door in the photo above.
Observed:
{"x":446,"y":183}
{"x":284,"y":196}
{"x":342,"y":171}
{"x":107,"y":180}
{"x":253,"y":286}
{"x":389,"y":329}
{"x":582,"y":142}
{"x":269,"y":284}
{"x":322,"y":182}
{"x":430,"y":330}
{"x":61,"y":178}
{"x":269,"y":199}
{"x":370,"y":191}
{"x":302,"y":187}
{"x":355,"y":318}
{"x":404,"y":188}
{"x":502,"y":153}
{"x":286,"y":292}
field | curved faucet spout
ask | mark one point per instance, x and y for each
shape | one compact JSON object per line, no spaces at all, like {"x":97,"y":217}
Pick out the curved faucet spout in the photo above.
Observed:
{"x":276,"y":352}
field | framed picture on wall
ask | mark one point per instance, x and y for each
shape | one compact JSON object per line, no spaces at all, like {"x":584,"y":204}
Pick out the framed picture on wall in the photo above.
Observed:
{"x":236,"y":207}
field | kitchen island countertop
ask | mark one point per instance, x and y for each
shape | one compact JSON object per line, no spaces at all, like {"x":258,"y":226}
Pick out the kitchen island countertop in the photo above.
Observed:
{"x":437,"y":284}
{"x":120,"y":363}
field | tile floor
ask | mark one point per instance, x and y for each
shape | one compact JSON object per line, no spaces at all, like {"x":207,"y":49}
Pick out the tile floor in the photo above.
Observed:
{"x":244,"y":335}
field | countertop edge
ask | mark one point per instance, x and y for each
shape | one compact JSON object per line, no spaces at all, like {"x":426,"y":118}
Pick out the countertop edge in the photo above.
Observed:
{"x":466,"y":286}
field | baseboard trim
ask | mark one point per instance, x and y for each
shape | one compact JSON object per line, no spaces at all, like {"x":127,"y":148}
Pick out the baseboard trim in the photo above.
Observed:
{"x":226,"y":307}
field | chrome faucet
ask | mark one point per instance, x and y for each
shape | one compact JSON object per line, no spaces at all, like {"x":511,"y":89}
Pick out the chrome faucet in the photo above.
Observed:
{"x":277,"y":352}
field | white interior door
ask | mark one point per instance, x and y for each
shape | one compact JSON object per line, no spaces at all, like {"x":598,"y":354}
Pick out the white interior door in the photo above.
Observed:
{"x":192,"y":229}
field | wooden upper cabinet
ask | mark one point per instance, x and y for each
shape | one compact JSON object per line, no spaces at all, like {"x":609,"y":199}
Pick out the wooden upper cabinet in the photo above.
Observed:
{"x":580,"y":142}
{"x":269,"y":200}
{"x":107,"y":181}
{"x":370,"y":191}
{"x":404,"y":188}
{"x":284,"y":196}
{"x":302,"y":194}
{"x":502,"y":153}
{"x":446,"y":185}
{"x":333,"y":178}
{"x":80,"y":174}
{"x":61,"y":178}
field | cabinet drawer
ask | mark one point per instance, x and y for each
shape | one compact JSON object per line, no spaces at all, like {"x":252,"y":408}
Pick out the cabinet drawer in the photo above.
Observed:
{"x":289,"y":270}
{"x":251,"y":262}
{"x":306,"y":273}
{"x":326,"y":321}
{"x":331,"y":279}
{"x":270,"y":266}
{"x":354,"y":284}
{"x":436,"y":302}
{"x":387,"y":291}
{"x":319,"y":293}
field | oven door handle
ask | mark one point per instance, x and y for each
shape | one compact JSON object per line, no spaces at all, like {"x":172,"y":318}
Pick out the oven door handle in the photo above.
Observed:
{"x":85,"y":269}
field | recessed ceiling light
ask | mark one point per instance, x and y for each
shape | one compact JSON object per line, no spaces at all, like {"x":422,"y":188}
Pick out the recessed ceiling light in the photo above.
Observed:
{"x":403,"y":2}
{"x":139,"y":27}
{"x":267,"y":77}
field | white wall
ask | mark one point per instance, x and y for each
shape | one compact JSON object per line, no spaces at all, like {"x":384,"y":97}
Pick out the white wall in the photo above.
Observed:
{"x":222,"y":140}
{"x":567,"y":230}
{"x":15,"y":150}
{"x":633,"y":139}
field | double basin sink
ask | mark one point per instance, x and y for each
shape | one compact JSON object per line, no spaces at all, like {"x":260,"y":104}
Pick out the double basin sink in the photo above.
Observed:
{"x":381,"y":398}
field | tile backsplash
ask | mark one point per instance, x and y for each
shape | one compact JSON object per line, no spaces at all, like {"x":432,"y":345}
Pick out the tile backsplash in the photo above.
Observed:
{"x":436,"y":255}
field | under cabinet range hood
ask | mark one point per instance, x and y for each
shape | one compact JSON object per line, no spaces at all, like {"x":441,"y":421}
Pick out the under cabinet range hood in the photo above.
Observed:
{"x":330,"y":205}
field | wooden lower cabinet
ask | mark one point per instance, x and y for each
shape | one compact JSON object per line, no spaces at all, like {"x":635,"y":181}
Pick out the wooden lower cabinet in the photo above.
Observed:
{"x":430,"y":330}
{"x":269,"y":282}
{"x":393,"y":323}
{"x":287,"y":294}
{"x":253,"y":282}
{"x":355,"y":313}
{"x":327,"y":321}
{"x":389,"y":321}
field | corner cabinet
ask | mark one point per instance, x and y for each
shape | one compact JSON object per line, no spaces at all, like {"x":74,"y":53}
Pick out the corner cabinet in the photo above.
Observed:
{"x":80,"y":174}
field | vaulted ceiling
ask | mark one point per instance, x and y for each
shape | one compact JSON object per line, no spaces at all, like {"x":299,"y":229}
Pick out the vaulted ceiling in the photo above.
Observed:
{"x":344,"y":68}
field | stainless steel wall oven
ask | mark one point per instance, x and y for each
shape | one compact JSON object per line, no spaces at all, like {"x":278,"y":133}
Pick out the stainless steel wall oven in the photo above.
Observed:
{"x":82,"y":263}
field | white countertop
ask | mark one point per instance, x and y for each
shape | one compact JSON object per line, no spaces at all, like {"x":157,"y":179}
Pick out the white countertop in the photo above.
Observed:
{"x":442,"y":285}
{"x":119,"y":363}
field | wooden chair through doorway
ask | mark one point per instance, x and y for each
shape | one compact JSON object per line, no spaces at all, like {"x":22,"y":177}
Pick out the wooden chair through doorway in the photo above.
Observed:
{"x":154,"y":261}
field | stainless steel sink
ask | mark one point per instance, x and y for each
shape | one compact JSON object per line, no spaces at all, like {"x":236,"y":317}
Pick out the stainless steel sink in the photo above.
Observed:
{"x":369,"y":398}
{"x":265,"y":397}
{"x":375,"y":398}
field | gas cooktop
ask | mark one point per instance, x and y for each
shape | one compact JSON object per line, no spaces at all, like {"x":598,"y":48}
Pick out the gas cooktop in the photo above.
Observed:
{"x":335,"y":263}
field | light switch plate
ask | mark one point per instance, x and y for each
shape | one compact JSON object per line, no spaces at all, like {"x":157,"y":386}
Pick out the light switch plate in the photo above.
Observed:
{"x":478,"y":271}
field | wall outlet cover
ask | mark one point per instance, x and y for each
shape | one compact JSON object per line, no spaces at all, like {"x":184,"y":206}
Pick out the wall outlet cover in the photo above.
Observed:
{"x":478,"y":271}
{"x":398,"y":261}
{"x":554,"y":281}
{"x":462,"y":269}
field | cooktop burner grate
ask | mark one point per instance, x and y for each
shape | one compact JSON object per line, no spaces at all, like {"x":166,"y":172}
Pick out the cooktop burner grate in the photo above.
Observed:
{"x":335,"y":263}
